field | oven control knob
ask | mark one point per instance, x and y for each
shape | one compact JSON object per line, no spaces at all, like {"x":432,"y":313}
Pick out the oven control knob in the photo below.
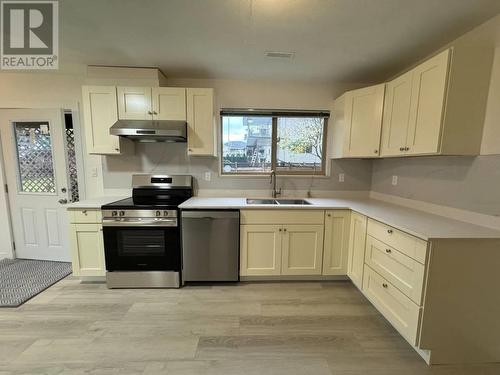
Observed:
{"x":165,"y":213}
{"x":122,"y":213}
{"x":158,"y":213}
{"x":114,"y":213}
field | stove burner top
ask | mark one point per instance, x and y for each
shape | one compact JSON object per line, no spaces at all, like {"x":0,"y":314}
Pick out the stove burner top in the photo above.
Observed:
{"x":151,"y":192}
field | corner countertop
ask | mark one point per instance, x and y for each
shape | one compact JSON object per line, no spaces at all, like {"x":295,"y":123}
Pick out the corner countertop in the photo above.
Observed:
{"x":418,"y":223}
{"x":93,"y":203}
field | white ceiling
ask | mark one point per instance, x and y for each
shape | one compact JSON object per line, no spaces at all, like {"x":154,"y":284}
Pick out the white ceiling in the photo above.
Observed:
{"x":333,"y":40}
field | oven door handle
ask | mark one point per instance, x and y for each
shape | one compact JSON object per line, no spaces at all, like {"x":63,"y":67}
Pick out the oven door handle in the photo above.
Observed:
{"x":168,"y":222}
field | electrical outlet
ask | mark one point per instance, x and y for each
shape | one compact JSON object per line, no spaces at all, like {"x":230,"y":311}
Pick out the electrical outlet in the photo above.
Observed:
{"x":94,"y":172}
{"x":394,"y":180}
{"x":208,"y":176}
{"x":341,"y":177}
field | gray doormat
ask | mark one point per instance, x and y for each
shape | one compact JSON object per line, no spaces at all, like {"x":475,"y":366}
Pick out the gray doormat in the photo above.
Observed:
{"x":22,"y":279}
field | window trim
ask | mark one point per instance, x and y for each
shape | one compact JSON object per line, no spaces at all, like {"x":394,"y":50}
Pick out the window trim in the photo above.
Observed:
{"x":274,"y":137}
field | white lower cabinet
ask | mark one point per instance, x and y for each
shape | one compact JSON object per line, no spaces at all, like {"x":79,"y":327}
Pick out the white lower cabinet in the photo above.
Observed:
{"x":292,"y":249}
{"x":337,"y":223}
{"x":356,"y":256}
{"x":302,"y":250}
{"x":397,"y":308}
{"x":260,"y":253}
{"x":87,"y":244}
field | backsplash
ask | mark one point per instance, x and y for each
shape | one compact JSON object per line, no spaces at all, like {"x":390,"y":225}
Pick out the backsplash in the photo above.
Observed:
{"x":172,"y":158}
{"x":469,"y":183}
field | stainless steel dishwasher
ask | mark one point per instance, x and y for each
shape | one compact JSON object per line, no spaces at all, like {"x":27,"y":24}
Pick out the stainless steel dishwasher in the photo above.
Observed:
{"x":210,"y":245}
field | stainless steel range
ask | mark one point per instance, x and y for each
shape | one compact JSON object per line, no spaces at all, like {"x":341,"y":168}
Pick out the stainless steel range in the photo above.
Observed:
{"x":142,"y":238}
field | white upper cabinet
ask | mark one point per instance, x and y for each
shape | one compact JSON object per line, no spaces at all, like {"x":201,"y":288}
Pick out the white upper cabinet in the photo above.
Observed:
{"x":201,"y":122}
{"x":134,"y":103}
{"x":438,"y":107}
{"x":357,"y":122}
{"x":99,"y":114}
{"x":169,"y":103}
{"x":396,"y":115}
{"x":427,"y":105}
{"x":151,"y":103}
{"x":414,"y":107}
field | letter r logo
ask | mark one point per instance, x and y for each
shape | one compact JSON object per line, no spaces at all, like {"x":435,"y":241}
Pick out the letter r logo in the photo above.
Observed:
{"x":27,"y":28}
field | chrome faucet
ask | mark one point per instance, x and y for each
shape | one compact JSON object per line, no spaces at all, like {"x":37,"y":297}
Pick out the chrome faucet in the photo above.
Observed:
{"x":275,"y":192}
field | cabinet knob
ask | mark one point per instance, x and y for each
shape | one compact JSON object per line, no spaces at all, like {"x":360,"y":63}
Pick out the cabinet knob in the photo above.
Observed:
{"x":389,"y":231}
{"x":329,"y":215}
{"x":280,"y":229}
{"x":388,"y":251}
{"x":155,"y":113}
{"x":401,"y":149}
{"x":117,"y":149}
{"x":384,"y":285}
{"x":150,"y":113}
{"x":375,"y":151}
{"x":284,"y":230}
{"x":84,"y":212}
{"x":190,"y":149}
{"x":407,"y":149}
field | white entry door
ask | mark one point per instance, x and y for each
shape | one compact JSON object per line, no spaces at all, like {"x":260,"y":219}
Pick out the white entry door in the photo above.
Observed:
{"x":35,"y":169}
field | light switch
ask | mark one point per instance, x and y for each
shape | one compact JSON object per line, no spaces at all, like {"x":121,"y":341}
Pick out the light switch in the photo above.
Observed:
{"x":394,"y":180}
{"x":341,"y":177}
{"x":208,"y":176}
{"x":94,"y":172}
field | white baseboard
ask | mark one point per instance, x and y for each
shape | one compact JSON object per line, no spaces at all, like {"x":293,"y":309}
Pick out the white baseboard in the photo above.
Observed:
{"x":294,"y":278}
{"x":471,"y":217}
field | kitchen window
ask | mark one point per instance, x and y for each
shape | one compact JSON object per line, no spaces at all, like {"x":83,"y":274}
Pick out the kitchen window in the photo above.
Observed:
{"x":259,"y":141}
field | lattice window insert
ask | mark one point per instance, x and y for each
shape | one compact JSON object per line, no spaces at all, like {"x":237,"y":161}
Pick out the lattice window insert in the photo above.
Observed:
{"x":72,"y":169}
{"x":34,"y":154}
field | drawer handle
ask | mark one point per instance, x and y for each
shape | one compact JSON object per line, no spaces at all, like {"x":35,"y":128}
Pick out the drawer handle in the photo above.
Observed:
{"x":389,"y":231}
{"x":388,"y":251}
{"x":329,"y":215}
{"x":384,"y":285}
{"x":280,"y":229}
{"x":84,"y":212}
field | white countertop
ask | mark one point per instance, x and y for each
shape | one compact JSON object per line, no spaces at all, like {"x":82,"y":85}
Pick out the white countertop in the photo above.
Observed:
{"x":93,"y":203}
{"x":418,"y":223}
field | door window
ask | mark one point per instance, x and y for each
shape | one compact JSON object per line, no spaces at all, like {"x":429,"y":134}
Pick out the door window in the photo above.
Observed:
{"x":34,"y":157}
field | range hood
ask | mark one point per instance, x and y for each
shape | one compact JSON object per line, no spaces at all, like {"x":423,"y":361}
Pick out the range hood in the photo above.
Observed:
{"x":151,"y":130}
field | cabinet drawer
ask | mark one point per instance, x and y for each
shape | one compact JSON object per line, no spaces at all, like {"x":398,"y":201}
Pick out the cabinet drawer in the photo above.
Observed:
{"x":85,"y":216}
{"x":402,"y":271}
{"x":409,"y":245}
{"x":398,"y":309}
{"x":282,"y":217}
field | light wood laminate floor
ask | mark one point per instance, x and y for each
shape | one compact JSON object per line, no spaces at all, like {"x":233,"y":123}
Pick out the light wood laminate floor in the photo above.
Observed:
{"x":283,"y":328}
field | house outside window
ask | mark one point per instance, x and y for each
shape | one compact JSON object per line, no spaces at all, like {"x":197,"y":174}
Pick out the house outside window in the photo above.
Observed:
{"x":289,"y":142}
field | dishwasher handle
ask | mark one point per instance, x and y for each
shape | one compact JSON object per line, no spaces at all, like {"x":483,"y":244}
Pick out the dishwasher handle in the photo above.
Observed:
{"x":211,"y":214}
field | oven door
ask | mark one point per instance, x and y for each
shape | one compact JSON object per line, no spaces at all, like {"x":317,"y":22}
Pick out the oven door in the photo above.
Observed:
{"x":136,"y":248}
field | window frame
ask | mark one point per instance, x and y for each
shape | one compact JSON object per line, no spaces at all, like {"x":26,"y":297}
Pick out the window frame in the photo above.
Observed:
{"x":274,"y":142}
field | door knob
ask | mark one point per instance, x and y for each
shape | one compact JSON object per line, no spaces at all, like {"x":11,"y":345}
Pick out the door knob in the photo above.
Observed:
{"x":63,"y":201}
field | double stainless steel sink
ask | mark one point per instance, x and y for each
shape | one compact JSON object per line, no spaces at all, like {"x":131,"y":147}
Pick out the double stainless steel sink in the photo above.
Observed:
{"x":278,"y":201}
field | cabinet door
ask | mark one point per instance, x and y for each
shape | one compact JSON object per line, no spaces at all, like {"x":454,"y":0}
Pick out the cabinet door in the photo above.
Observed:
{"x":302,"y":251}
{"x":200,"y":121}
{"x":396,"y":115}
{"x":427,"y":105}
{"x":357,"y":240}
{"x":363,"y":121}
{"x":336,"y":247}
{"x":99,"y":114}
{"x":87,"y":250}
{"x":134,"y":103}
{"x":260,"y":253}
{"x":169,"y":103}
